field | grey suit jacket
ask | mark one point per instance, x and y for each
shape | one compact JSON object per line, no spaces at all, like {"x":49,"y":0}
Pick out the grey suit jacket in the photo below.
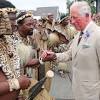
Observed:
{"x":85,"y":64}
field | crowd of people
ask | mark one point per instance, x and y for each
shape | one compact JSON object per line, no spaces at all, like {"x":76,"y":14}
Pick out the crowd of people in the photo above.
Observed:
{"x":29,"y":48}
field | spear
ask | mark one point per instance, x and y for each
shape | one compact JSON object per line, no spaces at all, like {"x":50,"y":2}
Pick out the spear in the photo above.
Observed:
{"x":36,"y":89}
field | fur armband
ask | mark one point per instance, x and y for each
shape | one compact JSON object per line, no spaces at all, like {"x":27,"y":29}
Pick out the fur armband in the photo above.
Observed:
{"x":13,"y":84}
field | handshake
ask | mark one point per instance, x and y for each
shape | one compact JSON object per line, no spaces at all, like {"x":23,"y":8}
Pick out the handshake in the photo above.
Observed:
{"x":47,"y":56}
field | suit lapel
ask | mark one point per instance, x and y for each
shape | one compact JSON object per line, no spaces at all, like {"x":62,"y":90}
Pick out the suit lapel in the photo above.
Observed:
{"x":75,"y":46}
{"x":78,"y":46}
{"x":84,"y":39}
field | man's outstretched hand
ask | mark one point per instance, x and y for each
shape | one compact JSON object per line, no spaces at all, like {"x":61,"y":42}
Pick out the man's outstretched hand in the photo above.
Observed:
{"x":48,"y":55}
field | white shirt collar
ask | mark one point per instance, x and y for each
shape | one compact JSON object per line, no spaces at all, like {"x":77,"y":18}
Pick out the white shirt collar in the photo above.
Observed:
{"x":86,"y":28}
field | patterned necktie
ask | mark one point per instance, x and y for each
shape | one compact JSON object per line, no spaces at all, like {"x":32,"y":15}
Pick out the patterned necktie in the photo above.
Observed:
{"x":80,"y":37}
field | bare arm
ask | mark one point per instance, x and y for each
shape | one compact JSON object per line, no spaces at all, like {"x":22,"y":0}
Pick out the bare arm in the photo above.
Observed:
{"x":32,"y":63}
{"x":4,"y":86}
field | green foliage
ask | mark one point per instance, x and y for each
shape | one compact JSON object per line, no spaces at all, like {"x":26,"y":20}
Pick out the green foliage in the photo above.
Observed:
{"x":69,"y":3}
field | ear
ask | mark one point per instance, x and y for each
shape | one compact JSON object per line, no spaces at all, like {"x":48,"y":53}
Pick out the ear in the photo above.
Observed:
{"x":87,"y":15}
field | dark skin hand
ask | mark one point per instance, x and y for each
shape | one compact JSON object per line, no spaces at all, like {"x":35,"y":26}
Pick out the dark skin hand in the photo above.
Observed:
{"x":32,"y":63}
{"x":24,"y":82}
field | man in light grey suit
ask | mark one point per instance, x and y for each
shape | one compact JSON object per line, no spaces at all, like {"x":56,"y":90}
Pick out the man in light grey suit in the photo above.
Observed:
{"x":85,"y":54}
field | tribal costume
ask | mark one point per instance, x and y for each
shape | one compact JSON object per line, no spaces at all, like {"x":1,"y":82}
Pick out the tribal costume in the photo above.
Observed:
{"x":9,"y":60}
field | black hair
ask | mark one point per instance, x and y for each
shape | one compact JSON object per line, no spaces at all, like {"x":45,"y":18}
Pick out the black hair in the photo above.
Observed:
{"x":6,"y":4}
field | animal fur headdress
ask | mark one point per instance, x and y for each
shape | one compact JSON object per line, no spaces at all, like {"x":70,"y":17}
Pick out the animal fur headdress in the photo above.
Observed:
{"x":5,"y":25}
{"x":22,"y":15}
